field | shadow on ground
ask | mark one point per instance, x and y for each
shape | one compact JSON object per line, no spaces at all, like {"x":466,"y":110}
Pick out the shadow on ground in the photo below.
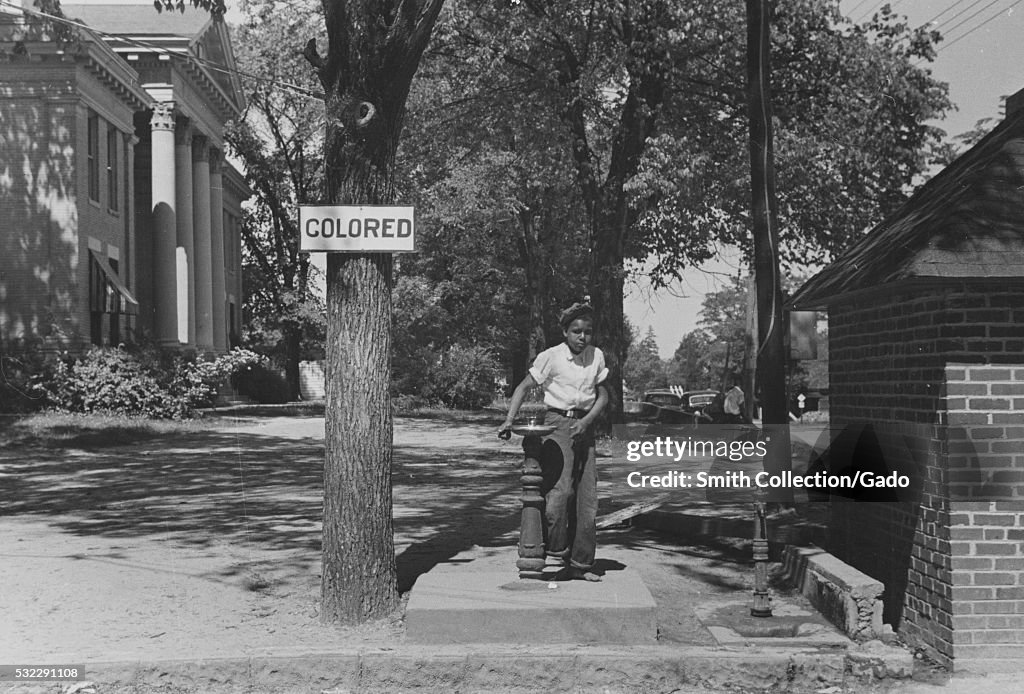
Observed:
{"x":452,"y":488}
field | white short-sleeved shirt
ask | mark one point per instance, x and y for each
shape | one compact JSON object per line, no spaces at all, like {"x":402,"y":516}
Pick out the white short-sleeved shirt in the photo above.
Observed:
{"x":569,"y":380}
{"x":733,"y":401}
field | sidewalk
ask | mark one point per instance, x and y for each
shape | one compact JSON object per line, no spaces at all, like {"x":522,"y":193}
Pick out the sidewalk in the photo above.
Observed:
{"x":192,"y":564}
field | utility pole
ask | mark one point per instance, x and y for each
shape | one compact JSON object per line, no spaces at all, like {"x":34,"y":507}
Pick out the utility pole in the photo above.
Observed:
{"x":771,"y":358}
{"x":749,"y":349}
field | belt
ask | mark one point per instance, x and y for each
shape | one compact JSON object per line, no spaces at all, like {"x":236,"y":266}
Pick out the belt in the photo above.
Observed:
{"x":569,"y":414}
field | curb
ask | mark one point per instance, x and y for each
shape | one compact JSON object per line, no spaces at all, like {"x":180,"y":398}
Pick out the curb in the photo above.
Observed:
{"x":503,"y":669}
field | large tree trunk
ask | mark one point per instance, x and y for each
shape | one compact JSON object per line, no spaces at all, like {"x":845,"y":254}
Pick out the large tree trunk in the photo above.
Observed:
{"x":359,"y":574}
{"x":771,"y":357}
{"x":375,"y":48}
{"x":360,"y":579}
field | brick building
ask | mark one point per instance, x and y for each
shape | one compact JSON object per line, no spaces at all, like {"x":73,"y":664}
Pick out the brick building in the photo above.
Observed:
{"x":926,"y":349}
{"x":119,"y":218}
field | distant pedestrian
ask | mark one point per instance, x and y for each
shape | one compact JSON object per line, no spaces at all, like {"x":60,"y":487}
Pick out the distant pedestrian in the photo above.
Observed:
{"x":734,"y":401}
{"x":571,"y":374}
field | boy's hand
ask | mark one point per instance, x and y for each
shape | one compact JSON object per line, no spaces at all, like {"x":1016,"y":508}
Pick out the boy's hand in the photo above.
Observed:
{"x":579,"y":427}
{"x":505,"y":430}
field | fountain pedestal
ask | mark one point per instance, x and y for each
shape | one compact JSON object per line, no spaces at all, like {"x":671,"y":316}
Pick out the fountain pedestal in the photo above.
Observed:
{"x":531,"y":528}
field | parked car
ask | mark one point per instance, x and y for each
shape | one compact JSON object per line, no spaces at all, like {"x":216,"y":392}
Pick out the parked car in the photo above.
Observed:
{"x":663,"y":398}
{"x":674,"y":407}
{"x":699,"y":399}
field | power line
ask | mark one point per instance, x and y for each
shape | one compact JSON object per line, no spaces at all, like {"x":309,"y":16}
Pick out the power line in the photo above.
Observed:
{"x":993,"y":17}
{"x":974,"y":28}
{"x":160,"y":49}
{"x":969,"y":18}
{"x":936,"y":17}
{"x":854,"y":8}
{"x":874,"y":8}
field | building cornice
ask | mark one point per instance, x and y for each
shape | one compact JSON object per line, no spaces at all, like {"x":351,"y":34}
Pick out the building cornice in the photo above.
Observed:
{"x":101,"y":62}
{"x":193,"y":73}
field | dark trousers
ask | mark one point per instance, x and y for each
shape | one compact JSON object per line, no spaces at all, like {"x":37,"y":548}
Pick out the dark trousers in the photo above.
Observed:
{"x":569,"y":468}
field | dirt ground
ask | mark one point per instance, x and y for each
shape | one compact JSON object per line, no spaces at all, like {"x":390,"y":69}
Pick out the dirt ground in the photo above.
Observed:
{"x":208,"y":544}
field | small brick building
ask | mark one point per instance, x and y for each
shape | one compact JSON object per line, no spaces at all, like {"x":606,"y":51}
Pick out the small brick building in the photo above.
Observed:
{"x":926,"y":350}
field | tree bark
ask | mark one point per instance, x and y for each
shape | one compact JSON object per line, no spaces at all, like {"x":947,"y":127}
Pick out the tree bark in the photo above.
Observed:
{"x":536,"y":286}
{"x":607,"y":284}
{"x":771,"y":357}
{"x":359,"y":579}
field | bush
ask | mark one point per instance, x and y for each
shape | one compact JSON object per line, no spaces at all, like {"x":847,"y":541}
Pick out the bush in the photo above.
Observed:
{"x":464,"y":378}
{"x":405,"y":404}
{"x":110,"y":380}
{"x":22,"y":365}
{"x":199,"y":380}
{"x":151,"y":383}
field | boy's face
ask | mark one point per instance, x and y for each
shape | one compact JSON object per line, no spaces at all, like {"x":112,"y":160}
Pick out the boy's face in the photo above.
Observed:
{"x":579,"y":334}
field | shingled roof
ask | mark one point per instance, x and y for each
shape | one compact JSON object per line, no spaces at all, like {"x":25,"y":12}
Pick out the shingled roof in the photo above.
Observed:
{"x":966,"y":222}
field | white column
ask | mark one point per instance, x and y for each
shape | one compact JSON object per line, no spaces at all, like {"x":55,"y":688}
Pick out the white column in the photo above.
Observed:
{"x":186,"y":243}
{"x":203,"y":249}
{"x":164,"y":242}
{"x":220,"y":327}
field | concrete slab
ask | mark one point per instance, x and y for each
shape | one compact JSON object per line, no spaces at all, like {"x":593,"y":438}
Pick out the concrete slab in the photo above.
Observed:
{"x":465,"y":604}
{"x":729,"y":620}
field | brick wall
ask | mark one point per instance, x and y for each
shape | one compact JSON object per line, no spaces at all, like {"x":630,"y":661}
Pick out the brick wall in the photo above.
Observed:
{"x":988,"y":567}
{"x":44,"y":280}
{"x":38,"y":201}
{"x":932,"y":375}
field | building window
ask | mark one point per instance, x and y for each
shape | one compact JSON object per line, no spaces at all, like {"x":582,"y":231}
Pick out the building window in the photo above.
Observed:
{"x":109,"y":299}
{"x":94,"y":157}
{"x":97,"y":301}
{"x":112,"y":192}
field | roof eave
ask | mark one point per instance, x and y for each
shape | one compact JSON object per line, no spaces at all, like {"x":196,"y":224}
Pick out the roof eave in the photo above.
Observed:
{"x":812,"y":301}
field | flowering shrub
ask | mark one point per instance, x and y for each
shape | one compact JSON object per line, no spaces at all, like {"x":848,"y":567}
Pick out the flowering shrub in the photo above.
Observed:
{"x":198,"y":380}
{"x":119,"y":382}
{"x":108,"y":380}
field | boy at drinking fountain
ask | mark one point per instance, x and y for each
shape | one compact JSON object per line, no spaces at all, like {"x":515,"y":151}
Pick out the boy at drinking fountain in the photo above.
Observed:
{"x":571,"y":374}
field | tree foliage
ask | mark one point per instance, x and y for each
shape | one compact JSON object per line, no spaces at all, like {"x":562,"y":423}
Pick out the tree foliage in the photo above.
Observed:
{"x":503,"y":229}
{"x":851,"y":111}
{"x":644,"y":368}
{"x":647,"y":103}
{"x":723,"y":319}
{"x":696,"y":363}
{"x":279,"y":138}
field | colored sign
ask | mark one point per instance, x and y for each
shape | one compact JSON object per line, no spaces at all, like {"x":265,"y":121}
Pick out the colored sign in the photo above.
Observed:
{"x":356,"y":229}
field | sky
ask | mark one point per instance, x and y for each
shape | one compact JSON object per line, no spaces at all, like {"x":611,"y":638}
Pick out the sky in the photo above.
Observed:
{"x":979,"y":59}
